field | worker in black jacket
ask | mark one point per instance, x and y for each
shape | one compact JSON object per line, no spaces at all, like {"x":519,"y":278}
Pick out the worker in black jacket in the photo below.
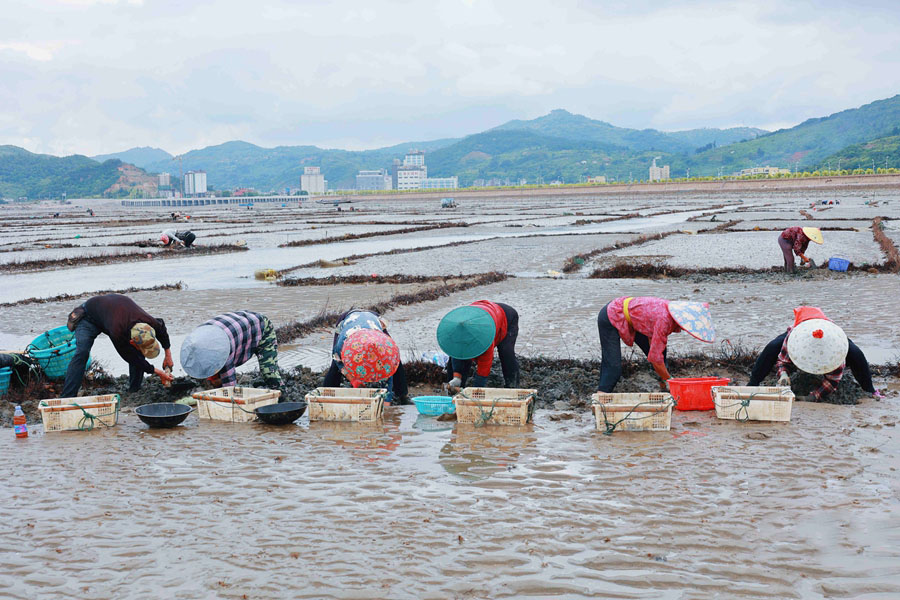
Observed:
{"x":135,"y":335}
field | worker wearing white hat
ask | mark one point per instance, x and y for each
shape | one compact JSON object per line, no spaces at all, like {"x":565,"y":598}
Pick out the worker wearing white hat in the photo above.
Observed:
{"x":814,"y":345}
{"x":795,"y":240}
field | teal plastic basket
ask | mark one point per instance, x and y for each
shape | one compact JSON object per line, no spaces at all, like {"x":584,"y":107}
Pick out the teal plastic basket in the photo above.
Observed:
{"x":434,"y":405}
{"x":5,"y":374}
{"x":53,"y":351}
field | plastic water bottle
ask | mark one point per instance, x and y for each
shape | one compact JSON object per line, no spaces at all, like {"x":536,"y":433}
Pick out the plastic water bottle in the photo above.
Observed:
{"x":438,"y":358}
{"x":19,"y":423}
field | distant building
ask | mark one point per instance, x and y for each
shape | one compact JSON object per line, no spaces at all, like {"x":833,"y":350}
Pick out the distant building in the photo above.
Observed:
{"x":410,"y":178}
{"x":598,"y":179}
{"x":195,"y":183}
{"x":374,"y":180}
{"x":440,"y":183}
{"x":767,"y":171}
{"x":659,"y":173}
{"x":165,"y":181}
{"x":312,"y":181}
{"x":414,"y":158}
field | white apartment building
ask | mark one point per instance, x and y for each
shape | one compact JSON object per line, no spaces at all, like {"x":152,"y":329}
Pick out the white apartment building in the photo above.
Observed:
{"x":414,"y":158}
{"x":195,"y":183}
{"x":373,"y":180}
{"x":659,"y":173}
{"x":312,"y":181}
{"x":411,"y":177}
{"x":440,"y":183}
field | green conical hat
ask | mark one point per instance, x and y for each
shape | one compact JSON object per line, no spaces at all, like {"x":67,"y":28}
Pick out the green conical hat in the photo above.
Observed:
{"x":466,"y":332}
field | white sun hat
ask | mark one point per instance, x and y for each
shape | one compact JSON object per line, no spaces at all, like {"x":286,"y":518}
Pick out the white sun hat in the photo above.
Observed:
{"x":817,"y":346}
{"x":205,"y":351}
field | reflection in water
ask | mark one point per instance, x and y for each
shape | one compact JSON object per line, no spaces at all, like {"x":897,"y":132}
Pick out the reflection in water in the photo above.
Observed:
{"x":475,"y":453}
{"x":373,"y":441}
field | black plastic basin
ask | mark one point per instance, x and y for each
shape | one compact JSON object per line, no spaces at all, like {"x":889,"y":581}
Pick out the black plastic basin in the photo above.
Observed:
{"x":163,"y":414}
{"x":282,"y":413}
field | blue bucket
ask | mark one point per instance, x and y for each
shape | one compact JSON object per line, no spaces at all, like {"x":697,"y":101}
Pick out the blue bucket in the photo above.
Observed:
{"x":434,"y":405}
{"x":5,"y":374}
{"x":53,"y":351}
{"x":838,"y":263}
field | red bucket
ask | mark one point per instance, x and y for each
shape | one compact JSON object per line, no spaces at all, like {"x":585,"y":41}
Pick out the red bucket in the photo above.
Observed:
{"x":695,"y":393}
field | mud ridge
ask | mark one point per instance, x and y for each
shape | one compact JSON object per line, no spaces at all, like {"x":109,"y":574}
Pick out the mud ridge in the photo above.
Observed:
{"x":299,"y":329}
{"x":645,"y":270}
{"x":574,"y":263}
{"x":67,"y":297}
{"x":361,"y":279}
{"x":358,"y":236}
{"x":887,"y":245}
{"x":61,"y":263}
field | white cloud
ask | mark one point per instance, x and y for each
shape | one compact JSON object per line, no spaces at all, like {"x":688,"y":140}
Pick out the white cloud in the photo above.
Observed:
{"x":100,"y":75}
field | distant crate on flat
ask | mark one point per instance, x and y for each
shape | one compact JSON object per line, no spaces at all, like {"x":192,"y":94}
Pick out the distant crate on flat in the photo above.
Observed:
{"x":633,"y":411}
{"x":80,"y":414}
{"x":346,"y":404}
{"x":495,"y":406}
{"x":234,"y":403}
{"x":746,"y":403}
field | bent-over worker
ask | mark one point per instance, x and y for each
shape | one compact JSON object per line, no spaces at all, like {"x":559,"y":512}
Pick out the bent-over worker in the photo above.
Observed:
{"x":215,"y":349}
{"x":135,"y":335}
{"x":814,"y":344}
{"x":171,"y":237}
{"x":471,"y":333}
{"x":387,"y":365}
{"x":647,"y":322}
{"x":795,"y":240}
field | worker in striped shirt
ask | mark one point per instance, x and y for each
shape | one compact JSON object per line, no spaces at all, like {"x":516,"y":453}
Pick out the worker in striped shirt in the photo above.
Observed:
{"x":215,"y":349}
{"x":815,"y":345}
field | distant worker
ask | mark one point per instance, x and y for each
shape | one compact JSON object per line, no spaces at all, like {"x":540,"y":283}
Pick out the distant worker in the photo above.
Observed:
{"x":216,"y":348}
{"x":647,"y":322}
{"x":471,"y":333}
{"x":359,"y":333}
{"x":814,"y":344}
{"x":795,"y":240}
{"x":135,"y":335}
{"x":171,"y":237}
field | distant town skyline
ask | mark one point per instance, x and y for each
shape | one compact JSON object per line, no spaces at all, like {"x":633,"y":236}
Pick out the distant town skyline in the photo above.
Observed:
{"x":100,"y":76}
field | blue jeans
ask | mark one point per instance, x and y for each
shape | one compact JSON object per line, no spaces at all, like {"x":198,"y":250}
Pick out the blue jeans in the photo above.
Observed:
{"x":85,"y":334}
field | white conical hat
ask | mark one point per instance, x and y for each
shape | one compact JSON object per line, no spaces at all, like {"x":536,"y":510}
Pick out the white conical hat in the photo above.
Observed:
{"x":817,"y":346}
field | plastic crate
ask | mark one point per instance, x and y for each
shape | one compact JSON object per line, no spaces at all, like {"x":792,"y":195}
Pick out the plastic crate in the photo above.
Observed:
{"x":433,"y":406}
{"x":233,"y":403}
{"x":346,"y":404}
{"x":495,"y":406}
{"x":746,"y":403}
{"x":5,"y":374}
{"x":53,"y":351}
{"x":838,"y":263}
{"x":695,"y":393}
{"x":80,"y":414}
{"x":633,"y":411}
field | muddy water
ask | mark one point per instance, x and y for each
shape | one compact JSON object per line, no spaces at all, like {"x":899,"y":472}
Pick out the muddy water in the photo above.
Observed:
{"x":401,"y":510}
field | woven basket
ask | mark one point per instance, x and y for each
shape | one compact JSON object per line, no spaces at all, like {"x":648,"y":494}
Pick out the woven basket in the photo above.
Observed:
{"x":495,"y":406}
{"x":746,"y":403}
{"x":633,"y":411}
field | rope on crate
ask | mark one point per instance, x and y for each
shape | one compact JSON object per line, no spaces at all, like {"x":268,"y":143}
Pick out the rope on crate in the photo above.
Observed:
{"x":611,"y":427}
{"x":744,"y":404}
{"x":485,"y":416}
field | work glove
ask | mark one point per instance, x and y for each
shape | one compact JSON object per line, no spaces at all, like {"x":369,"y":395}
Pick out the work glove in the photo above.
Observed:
{"x":456,"y":382}
{"x":784,"y":380}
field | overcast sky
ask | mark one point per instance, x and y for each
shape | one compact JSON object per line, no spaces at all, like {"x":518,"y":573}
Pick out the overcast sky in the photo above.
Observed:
{"x":96,"y":76}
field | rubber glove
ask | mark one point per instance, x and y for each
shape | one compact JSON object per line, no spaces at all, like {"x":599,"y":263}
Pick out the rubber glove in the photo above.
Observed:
{"x":784,"y":380}
{"x":455,"y":382}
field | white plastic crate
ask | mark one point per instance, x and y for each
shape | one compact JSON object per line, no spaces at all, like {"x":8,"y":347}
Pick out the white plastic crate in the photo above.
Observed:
{"x":633,"y":411}
{"x":746,"y":403}
{"x":80,"y":414}
{"x":233,"y":403}
{"x":495,"y":406}
{"x":346,"y":404}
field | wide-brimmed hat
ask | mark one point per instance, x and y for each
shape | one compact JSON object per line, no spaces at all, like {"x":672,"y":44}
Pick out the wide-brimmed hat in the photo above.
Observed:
{"x":817,"y":346}
{"x":369,"y":356}
{"x":814,"y":234}
{"x":466,"y":332}
{"x":694,"y":318}
{"x":144,"y":339}
{"x":205,"y":351}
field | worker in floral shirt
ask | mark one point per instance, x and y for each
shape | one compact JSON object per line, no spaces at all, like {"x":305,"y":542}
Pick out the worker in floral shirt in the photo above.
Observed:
{"x":815,"y":345}
{"x":647,"y":322}
{"x":795,"y":240}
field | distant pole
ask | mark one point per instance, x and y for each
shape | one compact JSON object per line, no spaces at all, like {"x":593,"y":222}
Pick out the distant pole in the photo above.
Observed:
{"x":839,"y":165}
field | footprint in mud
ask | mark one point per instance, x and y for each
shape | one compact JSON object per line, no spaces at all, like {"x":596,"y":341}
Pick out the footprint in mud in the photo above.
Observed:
{"x":691,"y":423}
{"x":757,"y":435}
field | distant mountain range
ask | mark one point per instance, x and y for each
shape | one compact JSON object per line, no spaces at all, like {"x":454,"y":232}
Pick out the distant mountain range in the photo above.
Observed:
{"x":559,"y":145}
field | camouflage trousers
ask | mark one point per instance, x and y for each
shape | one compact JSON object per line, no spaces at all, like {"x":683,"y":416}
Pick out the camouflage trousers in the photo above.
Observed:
{"x":267,"y":354}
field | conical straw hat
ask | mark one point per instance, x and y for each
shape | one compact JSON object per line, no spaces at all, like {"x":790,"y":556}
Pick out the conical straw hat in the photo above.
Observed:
{"x":817,"y":346}
{"x":814,"y":234}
